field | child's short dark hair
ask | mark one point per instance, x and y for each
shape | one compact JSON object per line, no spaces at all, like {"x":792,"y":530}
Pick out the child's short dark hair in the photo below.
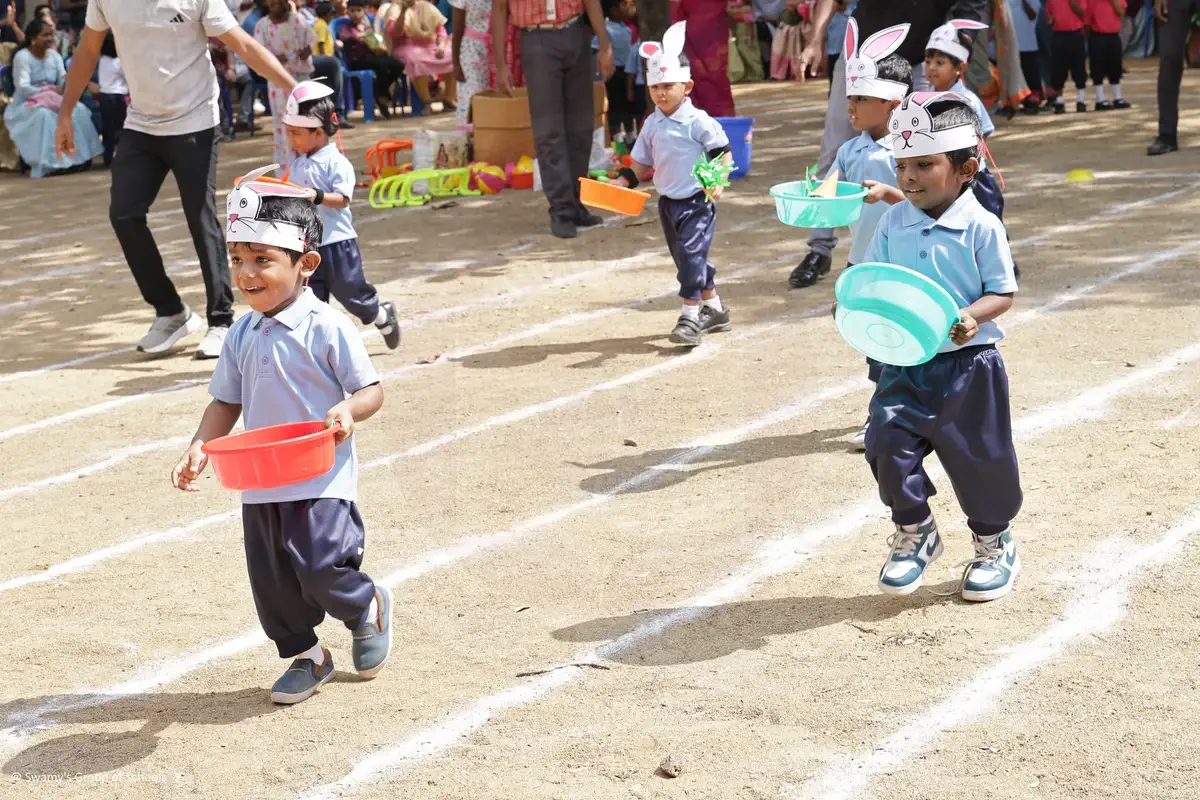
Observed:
{"x":897,"y":69}
{"x":109,"y":46}
{"x":296,"y":211}
{"x":609,"y":6}
{"x":950,"y":114}
{"x":356,"y":4}
{"x":324,"y":9}
{"x":324,"y":110}
{"x":933,"y":51}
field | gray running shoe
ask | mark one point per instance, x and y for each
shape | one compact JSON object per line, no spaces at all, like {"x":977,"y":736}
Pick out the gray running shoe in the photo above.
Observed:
{"x":301,"y":680}
{"x":166,"y":331}
{"x":373,"y":641}
{"x":212,"y":343}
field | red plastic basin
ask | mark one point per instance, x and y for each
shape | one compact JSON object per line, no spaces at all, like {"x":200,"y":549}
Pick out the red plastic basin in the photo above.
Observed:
{"x":278,"y":455}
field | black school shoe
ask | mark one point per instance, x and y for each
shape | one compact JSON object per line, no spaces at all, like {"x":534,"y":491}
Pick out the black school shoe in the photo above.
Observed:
{"x":1060,"y":108}
{"x":1081,"y":108}
{"x":687,"y":332}
{"x":1104,"y":105}
{"x":1122,"y":104}
{"x":1162,"y":145}
{"x":714,"y":321}
{"x":563,"y":228}
{"x":586,"y":219}
{"x":810,"y":270}
{"x":390,"y":329}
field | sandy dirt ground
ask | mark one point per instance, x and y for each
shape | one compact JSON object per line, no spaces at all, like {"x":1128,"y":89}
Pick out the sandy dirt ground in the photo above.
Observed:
{"x":682,"y":540}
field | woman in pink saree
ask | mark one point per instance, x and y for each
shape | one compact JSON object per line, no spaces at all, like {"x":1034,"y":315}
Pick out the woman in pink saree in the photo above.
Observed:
{"x":707,"y":51}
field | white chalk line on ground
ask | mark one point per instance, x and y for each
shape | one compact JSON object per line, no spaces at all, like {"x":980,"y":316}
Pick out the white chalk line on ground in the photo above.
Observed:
{"x":699,"y":354}
{"x":1090,"y":613}
{"x":121,"y":454}
{"x":465,"y":547}
{"x":75,"y":362}
{"x":773,"y":558}
{"x":28,"y":722}
{"x":1176,"y":421}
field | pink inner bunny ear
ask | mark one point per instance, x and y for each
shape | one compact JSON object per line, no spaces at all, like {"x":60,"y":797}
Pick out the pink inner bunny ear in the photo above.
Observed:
{"x":648,"y":49}
{"x":967,"y":24}
{"x":851,"y":48}
{"x":884,"y":42}
{"x":921,"y":98}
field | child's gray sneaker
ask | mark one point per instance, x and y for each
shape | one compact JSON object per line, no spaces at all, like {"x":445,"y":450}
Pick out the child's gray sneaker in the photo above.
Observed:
{"x":713,"y":321}
{"x":373,"y":641}
{"x":301,"y":680}
{"x":166,"y":331}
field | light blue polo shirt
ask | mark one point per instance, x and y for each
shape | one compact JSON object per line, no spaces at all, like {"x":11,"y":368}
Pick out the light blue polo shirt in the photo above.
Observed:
{"x":673,"y":145}
{"x":965,"y":251}
{"x":633,"y":66}
{"x":294,"y":367}
{"x":861,"y":159}
{"x":330,"y":171}
{"x":985,"y":120}
{"x":621,"y":39}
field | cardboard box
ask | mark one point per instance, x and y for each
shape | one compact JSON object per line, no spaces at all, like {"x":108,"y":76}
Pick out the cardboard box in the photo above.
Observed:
{"x":503,"y":131}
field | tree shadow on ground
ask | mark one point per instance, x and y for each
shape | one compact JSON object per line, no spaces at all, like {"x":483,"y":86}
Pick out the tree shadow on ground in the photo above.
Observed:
{"x":712,"y":633}
{"x":663,"y":469}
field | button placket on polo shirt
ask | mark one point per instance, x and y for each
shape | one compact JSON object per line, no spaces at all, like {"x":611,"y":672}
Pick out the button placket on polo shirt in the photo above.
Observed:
{"x":264,"y":349}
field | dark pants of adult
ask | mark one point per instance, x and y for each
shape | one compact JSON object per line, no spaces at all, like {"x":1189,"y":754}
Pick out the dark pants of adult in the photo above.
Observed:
{"x":1031,"y":68}
{"x":1104,"y":58}
{"x":688,"y":226}
{"x":329,"y":69}
{"x":303,"y":558}
{"x":341,"y":274}
{"x":1172,"y":40}
{"x":1070,"y":56}
{"x":139,"y":168}
{"x":955,"y":405}
{"x":112,"y":115}
{"x":387,"y":71}
{"x":558,"y":77}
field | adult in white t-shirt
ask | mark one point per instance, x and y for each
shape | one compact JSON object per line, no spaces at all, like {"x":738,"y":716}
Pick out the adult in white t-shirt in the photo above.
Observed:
{"x":171,"y":127}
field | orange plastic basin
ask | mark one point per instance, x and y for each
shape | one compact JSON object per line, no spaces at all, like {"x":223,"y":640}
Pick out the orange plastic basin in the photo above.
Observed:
{"x":611,"y":198}
{"x":278,"y":455}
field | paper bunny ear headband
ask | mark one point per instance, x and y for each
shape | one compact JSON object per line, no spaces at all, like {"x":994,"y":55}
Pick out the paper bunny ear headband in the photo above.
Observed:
{"x":862,"y":63}
{"x":911,"y":127}
{"x":247,"y":221}
{"x":662,"y":60}
{"x":304,"y":92}
{"x":945,"y":39}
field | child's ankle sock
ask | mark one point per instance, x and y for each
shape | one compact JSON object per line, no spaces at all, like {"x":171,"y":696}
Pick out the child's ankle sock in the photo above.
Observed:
{"x":1060,"y":100}
{"x":691,"y":312}
{"x":380,"y":315}
{"x":373,"y":611}
{"x":1100,"y":93}
{"x":714,"y":303}
{"x":1081,"y":95}
{"x":1116,"y":89}
{"x":315,"y":654}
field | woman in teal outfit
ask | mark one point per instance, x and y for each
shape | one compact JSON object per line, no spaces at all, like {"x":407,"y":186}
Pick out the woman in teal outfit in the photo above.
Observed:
{"x":39,"y":76}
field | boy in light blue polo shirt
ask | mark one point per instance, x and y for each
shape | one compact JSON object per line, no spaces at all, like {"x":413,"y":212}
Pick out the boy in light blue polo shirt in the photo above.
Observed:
{"x":673,"y":140}
{"x":295,"y":359}
{"x":311,"y":120}
{"x":955,"y":405}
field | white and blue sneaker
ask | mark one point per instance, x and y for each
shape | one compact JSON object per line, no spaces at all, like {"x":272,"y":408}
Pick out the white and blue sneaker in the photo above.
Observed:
{"x":991,"y":574}
{"x":914,"y":548}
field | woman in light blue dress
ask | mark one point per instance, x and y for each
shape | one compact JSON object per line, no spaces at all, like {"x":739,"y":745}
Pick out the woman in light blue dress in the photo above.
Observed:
{"x":39,"y":75}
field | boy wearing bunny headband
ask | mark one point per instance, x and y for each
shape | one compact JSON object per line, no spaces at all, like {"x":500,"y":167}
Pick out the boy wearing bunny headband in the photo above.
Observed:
{"x":295,"y":359}
{"x":311,"y":120}
{"x":673,"y":139}
{"x":955,"y":405}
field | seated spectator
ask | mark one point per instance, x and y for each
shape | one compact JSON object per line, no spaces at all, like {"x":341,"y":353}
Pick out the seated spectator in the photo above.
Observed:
{"x":63,"y":41}
{"x":39,"y":77}
{"x":419,"y":41}
{"x":365,"y":51}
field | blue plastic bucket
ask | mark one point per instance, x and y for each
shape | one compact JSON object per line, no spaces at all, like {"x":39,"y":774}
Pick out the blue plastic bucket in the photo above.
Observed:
{"x":740,"y":131}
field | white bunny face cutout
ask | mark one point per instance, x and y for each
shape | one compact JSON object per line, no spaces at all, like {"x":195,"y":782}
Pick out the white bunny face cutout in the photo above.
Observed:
{"x":911,"y":128}
{"x":304,"y":92}
{"x":862,"y":63}
{"x":662,"y":60}
{"x":945,"y":38}
{"x":246,"y":222}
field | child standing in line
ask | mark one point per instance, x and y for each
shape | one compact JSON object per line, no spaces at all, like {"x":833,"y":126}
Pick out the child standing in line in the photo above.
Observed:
{"x":876,"y":82}
{"x":620,"y":115}
{"x":835,"y":34}
{"x":1105,"y":50}
{"x":1066,"y":18}
{"x":292,"y":40}
{"x":294,"y":359}
{"x":673,"y":140}
{"x":955,"y":405}
{"x":1025,"y":15}
{"x":320,"y":167}
{"x":114,"y":97}
{"x":470,"y":21}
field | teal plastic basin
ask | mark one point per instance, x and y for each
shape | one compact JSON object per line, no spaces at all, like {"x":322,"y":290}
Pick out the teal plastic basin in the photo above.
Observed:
{"x":794,"y":207}
{"x":893,"y":314}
